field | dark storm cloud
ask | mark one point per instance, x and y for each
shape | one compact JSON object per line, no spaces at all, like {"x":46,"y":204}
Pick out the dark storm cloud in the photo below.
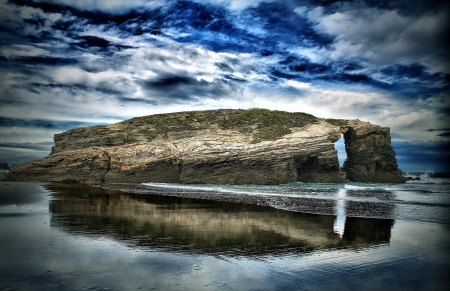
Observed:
{"x":349,"y":78}
{"x":175,"y":87}
{"x":136,"y":100}
{"x":405,"y":71}
{"x":406,"y":6}
{"x":383,"y":36}
{"x":6,"y":29}
{"x":437,"y":129}
{"x":302,"y":65}
{"x":39,"y":146}
{"x":404,"y":74}
{"x":92,"y":41}
{"x":166,"y":82}
{"x":301,"y":69}
{"x":96,"y":43}
{"x":88,"y":8}
{"x":47,"y":61}
{"x":446,"y":132}
{"x":10,"y":101}
{"x":75,"y":89}
{"x":285,"y":25}
{"x":41,"y":123}
{"x":34,"y":91}
{"x":224,"y":67}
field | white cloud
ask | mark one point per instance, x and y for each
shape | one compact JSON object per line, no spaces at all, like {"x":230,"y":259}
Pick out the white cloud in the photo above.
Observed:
{"x":299,"y":85}
{"x":314,"y":54}
{"x":111,"y":6}
{"x":76,"y":76}
{"x":192,"y":60}
{"x":235,"y":4}
{"x":384,"y":36}
{"x":13,"y":16}
{"x":409,"y":118}
{"x":22,"y":50}
{"x":301,"y":10}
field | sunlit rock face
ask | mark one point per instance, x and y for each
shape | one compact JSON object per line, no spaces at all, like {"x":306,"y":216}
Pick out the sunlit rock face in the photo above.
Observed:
{"x":255,"y":146}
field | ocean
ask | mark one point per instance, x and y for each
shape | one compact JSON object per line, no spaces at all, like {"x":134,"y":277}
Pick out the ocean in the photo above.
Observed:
{"x":155,"y":236}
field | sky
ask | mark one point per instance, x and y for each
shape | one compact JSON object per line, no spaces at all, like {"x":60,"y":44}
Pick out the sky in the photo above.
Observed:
{"x":67,"y":63}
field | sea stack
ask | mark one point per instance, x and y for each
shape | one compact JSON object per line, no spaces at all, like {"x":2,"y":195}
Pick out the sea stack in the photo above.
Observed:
{"x":255,"y":146}
{"x":4,"y":166}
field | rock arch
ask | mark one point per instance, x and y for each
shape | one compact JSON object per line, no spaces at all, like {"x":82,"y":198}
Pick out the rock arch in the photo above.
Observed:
{"x":136,"y":151}
{"x":370,"y":156}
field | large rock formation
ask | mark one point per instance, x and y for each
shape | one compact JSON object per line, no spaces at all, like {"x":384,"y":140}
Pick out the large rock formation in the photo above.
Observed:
{"x":255,"y":146}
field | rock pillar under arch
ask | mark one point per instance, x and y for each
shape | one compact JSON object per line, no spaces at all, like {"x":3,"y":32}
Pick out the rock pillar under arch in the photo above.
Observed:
{"x":370,"y":156}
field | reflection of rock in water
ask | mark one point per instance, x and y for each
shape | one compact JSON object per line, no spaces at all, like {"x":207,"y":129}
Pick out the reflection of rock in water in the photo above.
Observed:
{"x":206,"y":227}
{"x":369,"y":209}
{"x":372,"y":231}
{"x":376,"y":207}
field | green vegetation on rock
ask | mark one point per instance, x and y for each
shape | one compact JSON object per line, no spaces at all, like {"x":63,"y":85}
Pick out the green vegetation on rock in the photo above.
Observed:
{"x":263,"y":123}
{"x":337,"y":122}
{"x":166,"y":124}
{"x":272,"y":124}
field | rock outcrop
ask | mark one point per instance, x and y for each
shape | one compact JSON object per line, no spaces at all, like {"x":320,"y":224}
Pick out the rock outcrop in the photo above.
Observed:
{"x":4,"y":166}
{"x":255,"y":146}
{"x":370,"y":156}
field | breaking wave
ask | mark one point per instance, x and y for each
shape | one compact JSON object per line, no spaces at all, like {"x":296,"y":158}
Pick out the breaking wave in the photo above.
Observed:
{"x":428,"y":177}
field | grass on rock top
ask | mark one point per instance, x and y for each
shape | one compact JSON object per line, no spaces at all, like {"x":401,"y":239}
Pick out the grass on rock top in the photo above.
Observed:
{"x":272,"y":124}
{"x":337,"y":122}
{"x":263,"y":123}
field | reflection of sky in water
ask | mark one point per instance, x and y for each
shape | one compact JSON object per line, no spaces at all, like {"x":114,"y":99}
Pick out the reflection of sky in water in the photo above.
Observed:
{"x":339,"y":224}
{"x":40,"y":256}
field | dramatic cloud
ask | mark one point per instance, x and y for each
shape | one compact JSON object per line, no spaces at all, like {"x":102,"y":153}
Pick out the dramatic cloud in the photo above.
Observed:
{"x":235,"y":4}
{"x":109,"y":6}
{"x":384,"y":36}
{"x":76,"y":63}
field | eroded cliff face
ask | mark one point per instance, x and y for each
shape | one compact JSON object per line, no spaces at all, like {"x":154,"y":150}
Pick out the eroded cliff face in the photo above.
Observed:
{"x":370,"y":156}
{"x":218,"y":147}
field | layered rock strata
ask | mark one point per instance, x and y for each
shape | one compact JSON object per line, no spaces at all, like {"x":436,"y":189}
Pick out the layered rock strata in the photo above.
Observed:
{"x":370,"y":156}
{"x":218,"y":147}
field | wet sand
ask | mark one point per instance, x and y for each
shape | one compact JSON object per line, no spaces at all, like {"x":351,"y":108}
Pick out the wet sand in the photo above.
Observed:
{"x":55,"y":237}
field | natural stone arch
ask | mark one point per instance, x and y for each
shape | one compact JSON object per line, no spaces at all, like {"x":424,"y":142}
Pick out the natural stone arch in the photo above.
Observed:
{"x":370,"y":156}
{"x":178,"y":148}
